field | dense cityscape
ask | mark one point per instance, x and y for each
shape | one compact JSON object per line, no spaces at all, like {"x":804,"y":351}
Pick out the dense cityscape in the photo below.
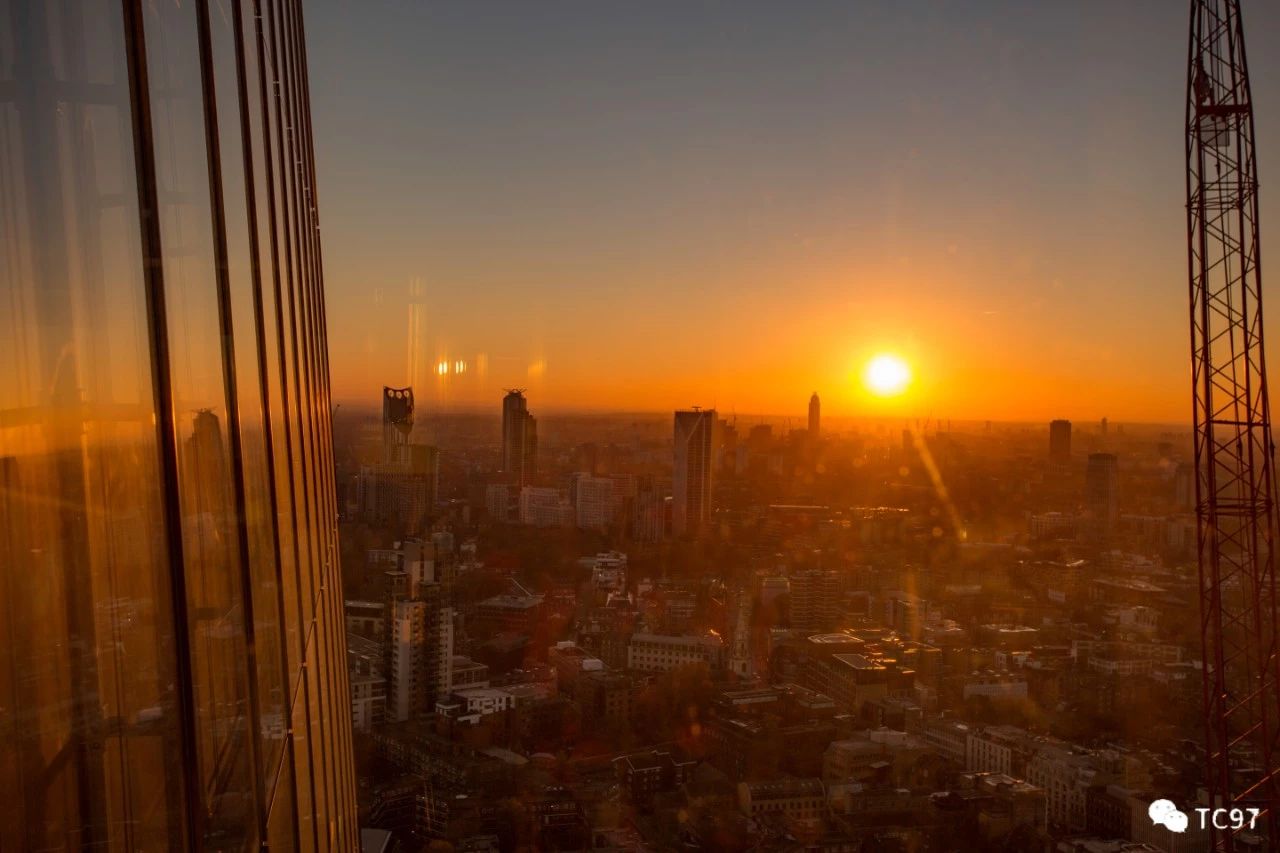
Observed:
{"x":795,"y":445}
{"x":637,"y":632}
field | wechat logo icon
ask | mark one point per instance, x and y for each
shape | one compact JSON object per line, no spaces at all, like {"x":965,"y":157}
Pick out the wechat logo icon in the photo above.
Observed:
{"x":1165,"y":813}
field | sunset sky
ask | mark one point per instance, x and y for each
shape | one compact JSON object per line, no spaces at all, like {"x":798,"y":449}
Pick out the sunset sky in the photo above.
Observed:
{"x":645,"y":206}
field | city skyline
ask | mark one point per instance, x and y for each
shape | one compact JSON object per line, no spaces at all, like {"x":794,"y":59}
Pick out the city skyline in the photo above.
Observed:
{"x":761,"y":207}
{"x":710,"y":427}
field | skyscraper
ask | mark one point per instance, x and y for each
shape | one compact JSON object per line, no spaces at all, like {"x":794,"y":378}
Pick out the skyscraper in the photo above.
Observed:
{"x":1102,"y":491}
{"x":397,"y":422}
{"x":1060,"y":442}
{"x":519,"y":439}
{"x":400,"y":490}
{"x":691,"y":474}
{"x":174,"y":671}
{"x":815,"y":415}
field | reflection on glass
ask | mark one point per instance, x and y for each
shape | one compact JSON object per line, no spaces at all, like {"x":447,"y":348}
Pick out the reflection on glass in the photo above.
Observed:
{"x":88,"y":709}
{"x":154,"y":274}
{"x":210,"y":533}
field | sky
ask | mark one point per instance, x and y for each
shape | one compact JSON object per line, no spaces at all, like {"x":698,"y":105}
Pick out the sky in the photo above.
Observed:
{"x":647,"y":206}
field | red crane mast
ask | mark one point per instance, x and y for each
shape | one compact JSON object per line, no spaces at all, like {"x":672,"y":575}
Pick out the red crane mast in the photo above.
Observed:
{"x":1235,"y":488}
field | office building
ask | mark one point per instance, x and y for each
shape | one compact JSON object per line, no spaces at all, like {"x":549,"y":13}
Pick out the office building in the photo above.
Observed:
{"x":519,"y":440}
{"x":174,"y":669}
{"x":1060,"y":442}
{"x":665,"y":652}
{"x":815,"y":415}
{"x":691,"y":476}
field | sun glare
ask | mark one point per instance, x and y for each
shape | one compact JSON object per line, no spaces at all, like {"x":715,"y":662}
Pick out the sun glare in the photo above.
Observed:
{"x":887,"y":375}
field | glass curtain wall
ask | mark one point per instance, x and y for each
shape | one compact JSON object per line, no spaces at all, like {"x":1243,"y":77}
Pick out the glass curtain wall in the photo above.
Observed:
{"x":172,"y":661}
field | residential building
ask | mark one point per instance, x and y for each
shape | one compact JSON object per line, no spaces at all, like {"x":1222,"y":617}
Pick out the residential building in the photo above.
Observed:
{"x":519,"y":440}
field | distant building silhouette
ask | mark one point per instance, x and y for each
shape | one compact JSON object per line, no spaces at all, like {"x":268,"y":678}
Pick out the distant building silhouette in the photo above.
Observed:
{"x":691,"y":476}
{"x":1102,"y":491}
{"x":815,"y":415}
{"x":397,"y":422}
{"x":1060,"y":442}
{"x":519,"y":439}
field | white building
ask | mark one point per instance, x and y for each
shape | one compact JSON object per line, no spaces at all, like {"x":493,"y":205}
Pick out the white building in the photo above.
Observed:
{"x":545,"y":507}
{"x":1065,"y":778}
{"x":949,"y":738}
{"x":485,"y":700}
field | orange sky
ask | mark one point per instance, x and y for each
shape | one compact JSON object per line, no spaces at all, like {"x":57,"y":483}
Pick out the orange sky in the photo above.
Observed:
{"x":663,"y":206}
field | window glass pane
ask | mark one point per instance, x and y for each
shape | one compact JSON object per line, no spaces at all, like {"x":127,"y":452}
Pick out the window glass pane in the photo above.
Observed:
{"x":210,"y":534}
{"x":303,"y":770}
{"x":258,"y":54}
{"x":244,"y":292}
{"x":280,"y":837}
{"x":88,"y":712}
{"x":322,"y":733}
{"x":281,"y":168}
{"x":283,"y":128}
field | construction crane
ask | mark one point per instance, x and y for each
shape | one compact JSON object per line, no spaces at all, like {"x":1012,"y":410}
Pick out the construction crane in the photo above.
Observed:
{"x":1235,"y":488}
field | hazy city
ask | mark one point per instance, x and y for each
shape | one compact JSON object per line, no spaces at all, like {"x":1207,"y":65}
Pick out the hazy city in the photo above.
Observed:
{"x":833,"y":427}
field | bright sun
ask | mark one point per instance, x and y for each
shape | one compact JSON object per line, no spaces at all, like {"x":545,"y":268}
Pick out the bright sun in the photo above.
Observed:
{"x":887,"y":375}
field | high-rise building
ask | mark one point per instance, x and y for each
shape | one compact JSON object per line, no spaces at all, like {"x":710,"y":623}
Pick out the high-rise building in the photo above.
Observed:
{"x":814,"y":599}
{"x":691,"y":476}
{"x":402,"y":489}
{"x":397,"y":422}
{"x":648,"y":511}
{"x":421,"y":652}
{"x":174,"y":670}
{"x":596,"y":501}
{"x":519,"y":439}
{"x":815,"y":415}
{"x":1060,"y":442}
{"x":1102,"y":491}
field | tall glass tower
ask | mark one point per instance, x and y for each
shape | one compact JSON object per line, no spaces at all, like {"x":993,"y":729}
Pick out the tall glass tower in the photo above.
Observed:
{"x":172,"y":659}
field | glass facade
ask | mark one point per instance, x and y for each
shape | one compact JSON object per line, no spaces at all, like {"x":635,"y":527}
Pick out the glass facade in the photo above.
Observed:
{"x":172,"y":659}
